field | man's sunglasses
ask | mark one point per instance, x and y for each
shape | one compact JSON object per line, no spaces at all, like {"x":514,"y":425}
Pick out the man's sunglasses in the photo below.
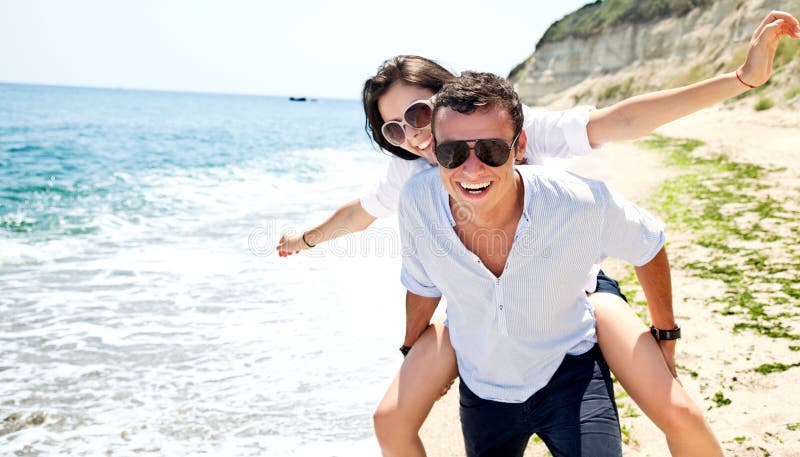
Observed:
{"x":492,"y":152}
{"x":418,"y":115}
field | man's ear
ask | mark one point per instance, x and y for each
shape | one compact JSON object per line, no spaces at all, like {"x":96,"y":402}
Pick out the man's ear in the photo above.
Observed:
{"x":522,"y":144}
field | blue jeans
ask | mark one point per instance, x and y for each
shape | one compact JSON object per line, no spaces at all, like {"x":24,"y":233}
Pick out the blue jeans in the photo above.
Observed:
{"x":574,"y":414}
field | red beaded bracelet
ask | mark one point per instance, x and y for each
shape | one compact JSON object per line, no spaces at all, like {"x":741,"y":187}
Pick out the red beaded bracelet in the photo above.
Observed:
{"x":739,"y":77}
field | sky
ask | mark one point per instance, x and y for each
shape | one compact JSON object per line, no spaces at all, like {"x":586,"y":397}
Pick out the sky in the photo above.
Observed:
{"x":312,"y":48}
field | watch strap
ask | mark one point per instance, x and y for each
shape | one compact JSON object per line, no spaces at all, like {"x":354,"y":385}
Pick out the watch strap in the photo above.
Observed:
{"x":665,"y":335}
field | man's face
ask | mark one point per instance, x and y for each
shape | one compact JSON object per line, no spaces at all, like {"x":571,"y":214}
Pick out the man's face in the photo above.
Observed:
{"x":482,"y":187}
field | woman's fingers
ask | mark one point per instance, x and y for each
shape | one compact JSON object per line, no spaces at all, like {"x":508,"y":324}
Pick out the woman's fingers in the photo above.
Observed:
{"x":790,"y":29}
{"x":447,"y":387}
{"x":767,"y":19}
{"x":288,"y":245}
{"x":772,"y":17}
{"x":773,"y":31}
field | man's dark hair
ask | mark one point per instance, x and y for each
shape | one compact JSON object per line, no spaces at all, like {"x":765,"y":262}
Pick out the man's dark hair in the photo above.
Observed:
{"x":472,"y":91}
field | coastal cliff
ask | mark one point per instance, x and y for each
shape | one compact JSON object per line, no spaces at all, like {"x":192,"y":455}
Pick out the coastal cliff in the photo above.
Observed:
{"x":610,"y":50}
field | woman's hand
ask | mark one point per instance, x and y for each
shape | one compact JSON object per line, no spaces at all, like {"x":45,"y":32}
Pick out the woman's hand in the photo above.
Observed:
{"x":349,"y":218}
{"x":290,"y":244}
{"x":757,"y":66}
{"x":668,"y":351}
{"x":447,"y":387}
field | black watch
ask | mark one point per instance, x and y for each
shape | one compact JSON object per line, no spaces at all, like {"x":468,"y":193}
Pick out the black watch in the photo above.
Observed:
{"x":404,"y":350}
{"x":665,"y":335}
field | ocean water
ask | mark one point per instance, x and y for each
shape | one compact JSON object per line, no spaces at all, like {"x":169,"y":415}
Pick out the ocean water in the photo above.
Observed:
{"x":144,"y":310}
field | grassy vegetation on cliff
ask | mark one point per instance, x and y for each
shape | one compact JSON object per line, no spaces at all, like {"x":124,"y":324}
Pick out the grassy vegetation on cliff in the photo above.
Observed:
{"x":594,"y":17}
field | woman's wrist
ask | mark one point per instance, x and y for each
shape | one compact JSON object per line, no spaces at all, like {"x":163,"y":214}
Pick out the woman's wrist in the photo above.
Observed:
{"x":740,"y":76}
{"x":308,"y":242}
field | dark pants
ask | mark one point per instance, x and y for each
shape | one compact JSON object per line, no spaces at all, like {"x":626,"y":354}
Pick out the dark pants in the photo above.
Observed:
{"x":574,"y":414}
{"x":608,"y":285}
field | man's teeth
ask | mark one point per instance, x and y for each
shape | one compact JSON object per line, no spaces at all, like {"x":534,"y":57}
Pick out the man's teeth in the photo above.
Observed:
{"x":475,"y":188}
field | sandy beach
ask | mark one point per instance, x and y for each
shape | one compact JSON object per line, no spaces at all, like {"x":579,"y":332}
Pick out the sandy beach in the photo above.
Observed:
{"x":738,"y":361}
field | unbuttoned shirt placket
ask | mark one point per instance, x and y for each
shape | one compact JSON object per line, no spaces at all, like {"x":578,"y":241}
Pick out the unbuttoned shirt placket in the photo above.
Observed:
{"x":499,"y":303}
{"x":522,"y":226}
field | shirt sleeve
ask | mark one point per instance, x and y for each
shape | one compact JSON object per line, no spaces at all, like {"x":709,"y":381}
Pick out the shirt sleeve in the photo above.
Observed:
{"x":556,"y":133}
{"x":382,"y":198}
{"x":413,"y":275}
{"x":629,"y":232}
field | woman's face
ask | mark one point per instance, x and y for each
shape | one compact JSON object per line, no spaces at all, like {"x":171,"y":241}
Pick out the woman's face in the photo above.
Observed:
{"x":394,"y":102}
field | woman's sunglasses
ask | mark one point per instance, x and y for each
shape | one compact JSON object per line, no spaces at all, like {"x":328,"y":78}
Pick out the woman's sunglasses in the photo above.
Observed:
{"x":492,"y":152}
{"x":417,"y":115}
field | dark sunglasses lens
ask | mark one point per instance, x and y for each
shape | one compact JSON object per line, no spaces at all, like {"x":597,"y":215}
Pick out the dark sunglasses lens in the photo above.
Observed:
{"x":492,"y":152}
{"x":394,"y":133}
{"x":452,"y":154}
{"x":418,"y":115}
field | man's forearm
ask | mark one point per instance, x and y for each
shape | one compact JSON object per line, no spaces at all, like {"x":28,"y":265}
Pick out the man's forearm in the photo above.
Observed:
{"x":419,"y":311}
{"x":656,"y":282}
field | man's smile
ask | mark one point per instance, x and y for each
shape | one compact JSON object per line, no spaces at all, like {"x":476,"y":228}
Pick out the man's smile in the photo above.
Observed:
{"x":475,"y":188}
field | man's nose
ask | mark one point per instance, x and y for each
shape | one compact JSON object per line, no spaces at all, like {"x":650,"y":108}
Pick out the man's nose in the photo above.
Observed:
{"x":473,"y":164}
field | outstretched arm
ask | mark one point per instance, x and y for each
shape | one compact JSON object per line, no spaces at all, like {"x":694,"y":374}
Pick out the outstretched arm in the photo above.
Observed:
{"x":640,"y":115}
{"x":419,"y":311}
{"x":656,"y":282}
{"x":351,"y":217}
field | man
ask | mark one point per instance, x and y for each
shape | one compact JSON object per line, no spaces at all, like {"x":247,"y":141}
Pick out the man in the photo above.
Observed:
{"x":511,"y":250}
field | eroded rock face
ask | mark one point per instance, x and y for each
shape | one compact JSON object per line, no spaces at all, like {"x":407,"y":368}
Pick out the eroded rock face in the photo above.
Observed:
{"x":662,"y":47}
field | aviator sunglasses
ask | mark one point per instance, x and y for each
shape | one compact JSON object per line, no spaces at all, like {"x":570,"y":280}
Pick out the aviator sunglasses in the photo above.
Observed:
{"x":418,"y":115}
{"x":492,"y":152}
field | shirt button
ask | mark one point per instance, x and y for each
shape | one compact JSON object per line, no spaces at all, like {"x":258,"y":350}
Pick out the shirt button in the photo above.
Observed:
{"x":501,"y":307}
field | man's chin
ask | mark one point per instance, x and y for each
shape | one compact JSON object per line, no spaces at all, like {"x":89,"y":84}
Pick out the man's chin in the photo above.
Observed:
{"x":465,"y":206}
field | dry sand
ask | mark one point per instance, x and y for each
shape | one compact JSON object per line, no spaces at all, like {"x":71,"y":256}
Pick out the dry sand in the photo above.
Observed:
{"x":763,"y":417}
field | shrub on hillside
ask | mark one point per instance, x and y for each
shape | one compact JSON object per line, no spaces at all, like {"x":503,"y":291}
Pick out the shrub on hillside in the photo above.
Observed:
{"x":764,"y":104}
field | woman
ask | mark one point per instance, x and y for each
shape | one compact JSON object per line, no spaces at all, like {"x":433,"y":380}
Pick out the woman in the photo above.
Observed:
{"x":394,"y":101}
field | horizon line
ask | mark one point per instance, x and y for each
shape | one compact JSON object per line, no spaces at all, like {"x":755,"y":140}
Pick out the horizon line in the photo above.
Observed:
{"x":173,"y":91}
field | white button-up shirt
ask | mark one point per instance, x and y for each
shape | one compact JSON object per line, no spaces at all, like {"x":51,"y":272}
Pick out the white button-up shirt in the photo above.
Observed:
{"x":510,"y":333}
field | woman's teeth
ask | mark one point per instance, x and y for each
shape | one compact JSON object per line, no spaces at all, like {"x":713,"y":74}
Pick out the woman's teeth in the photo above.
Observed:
{"x":425,"y":144}
{"x":475,"y":188}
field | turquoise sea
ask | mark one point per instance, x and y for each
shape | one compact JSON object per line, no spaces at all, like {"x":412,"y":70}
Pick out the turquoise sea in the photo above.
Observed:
{"x":145,"y":311}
